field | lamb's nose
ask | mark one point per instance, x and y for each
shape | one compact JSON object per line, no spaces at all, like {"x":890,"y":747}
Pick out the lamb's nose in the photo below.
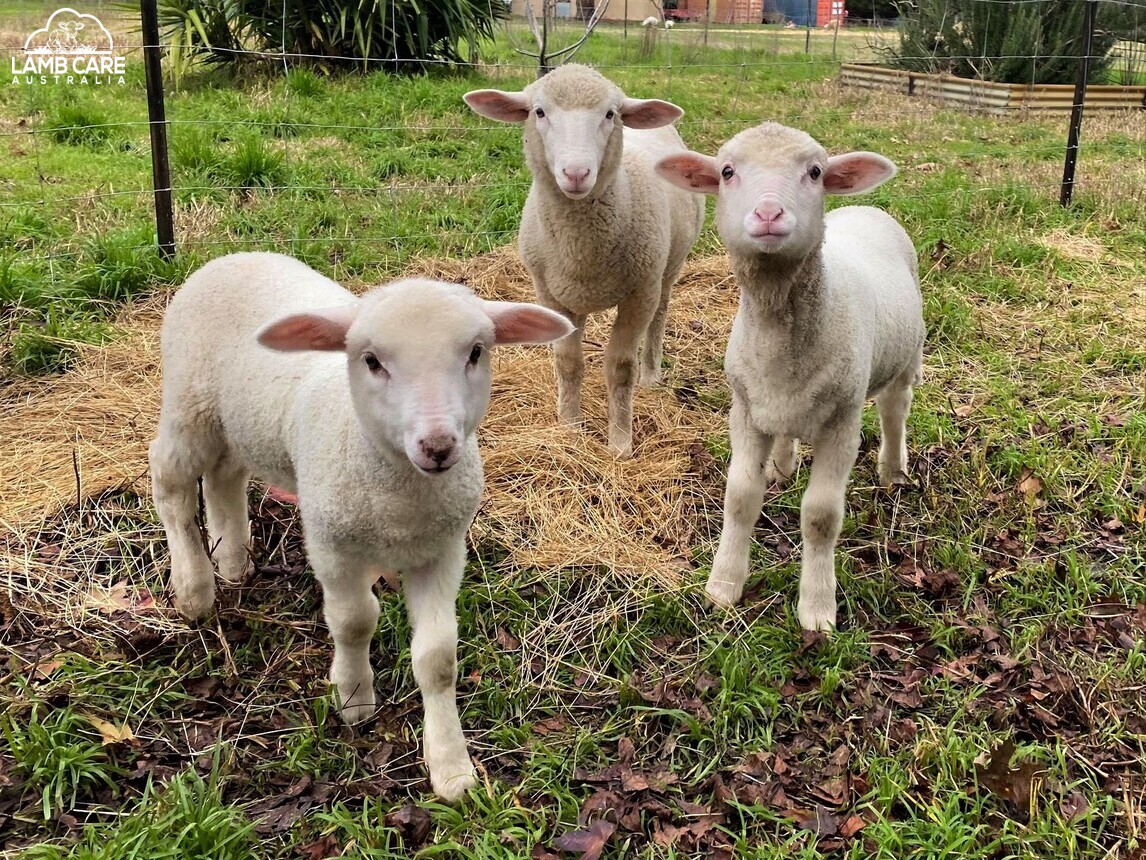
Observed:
{"x":769,"y":212}
{"x":439,"y":447}
{"x":576,"y":175}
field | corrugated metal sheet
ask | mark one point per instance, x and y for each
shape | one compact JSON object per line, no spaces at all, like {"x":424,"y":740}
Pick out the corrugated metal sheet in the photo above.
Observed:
{"x":989,"y":96}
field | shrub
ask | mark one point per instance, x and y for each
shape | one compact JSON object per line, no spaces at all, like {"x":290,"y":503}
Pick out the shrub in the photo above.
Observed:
{"x":398,"y":35}
{"x":1021,"y":43}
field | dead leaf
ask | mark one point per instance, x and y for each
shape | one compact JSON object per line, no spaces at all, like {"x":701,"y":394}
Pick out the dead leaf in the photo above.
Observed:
{"x":1074,"y":805}
{"x":110,"y":733}
{"x":590,"y":841}
{"x":327,"y":846}
{"x":853,"y":825}
{"x":1015,"y":784}
{"x":964,"y":410}
{"x":507,"y":640}
{"x":927,"y":166}
{"x":413,"y":822}
{"x":1029,"y":484}
{"x":47,"y":667}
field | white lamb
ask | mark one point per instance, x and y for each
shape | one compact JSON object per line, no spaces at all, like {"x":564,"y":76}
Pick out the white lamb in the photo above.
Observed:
{"x":367,"y":408}
{"x":830,"y":314}
{"x":600,"y":229}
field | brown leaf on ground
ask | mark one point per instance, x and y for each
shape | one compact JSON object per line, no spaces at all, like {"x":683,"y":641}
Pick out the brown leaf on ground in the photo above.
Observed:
{"x":1073,"y":805}
{"x":507,"y":640}
{"x":1013,"y":784}
{"x":327,"y":846}
{"x":412,"y":822}
{"x":1030,"y":485}
{"x":589,"y":841}
{"x":109,"y":732}
{"x":851,"y":826}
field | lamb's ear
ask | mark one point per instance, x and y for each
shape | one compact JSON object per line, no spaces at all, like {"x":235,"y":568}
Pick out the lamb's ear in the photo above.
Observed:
{"x":649,"y":113}
{"x":520,"y":322}
{"x":323,"y":330}
{"x":498,"y":104}
{"x":857,"y":172}
{"x":690,"y":171}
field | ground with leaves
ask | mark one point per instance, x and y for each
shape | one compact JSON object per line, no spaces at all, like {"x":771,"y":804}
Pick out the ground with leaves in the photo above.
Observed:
{"x":984,"y":695}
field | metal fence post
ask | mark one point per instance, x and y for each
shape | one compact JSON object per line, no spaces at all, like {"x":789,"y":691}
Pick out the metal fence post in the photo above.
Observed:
{"x":1079,"y":100}
{"x":160,"y":166}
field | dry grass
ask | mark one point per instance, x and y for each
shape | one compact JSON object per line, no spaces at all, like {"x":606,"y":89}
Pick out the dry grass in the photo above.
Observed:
{"x":554,"y":497}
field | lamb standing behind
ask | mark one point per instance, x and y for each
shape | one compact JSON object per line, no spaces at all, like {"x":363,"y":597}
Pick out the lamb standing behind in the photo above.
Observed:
{"x":830,"y":314}
{"x":600,"y":229}
{"x":367,"y":410}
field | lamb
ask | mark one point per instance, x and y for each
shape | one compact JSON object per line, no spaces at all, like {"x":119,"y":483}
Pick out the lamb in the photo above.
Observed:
{"x":830,"y":314}
{"x":367,"y":409}
{"x":599,"y":229}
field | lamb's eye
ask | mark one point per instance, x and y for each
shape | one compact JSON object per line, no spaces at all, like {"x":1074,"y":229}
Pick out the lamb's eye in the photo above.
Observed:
{"x":727,"y":172}
{"x":609,"y":114}
{"x":372,"y":362}
{"x":815,"y":172}
{"x":475,"y":353}
{"x":540,"y":113}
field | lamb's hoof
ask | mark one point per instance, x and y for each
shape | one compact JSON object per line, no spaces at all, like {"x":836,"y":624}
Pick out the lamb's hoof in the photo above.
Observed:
{"x":817,"y":615}
{"x":723,"y":595}
{"x":196,"y":604}
{"x":452,"y":782}
{"x":359,"y":705}
{"x":354,"y":714}
{"x":775,"y":476}
{"x":650,"y":380}
{"x":234,"y":566}
{"x":894,"y":478}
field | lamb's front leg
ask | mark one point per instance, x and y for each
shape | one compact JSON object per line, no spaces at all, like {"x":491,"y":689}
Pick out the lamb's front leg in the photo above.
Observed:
{"x":351,"y":612}
{"x":821,"y":514}
{"x":431,"y":594}
{"x":743,"y":496}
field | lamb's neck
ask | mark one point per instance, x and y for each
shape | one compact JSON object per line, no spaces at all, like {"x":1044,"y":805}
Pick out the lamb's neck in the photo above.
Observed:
{"x":592,"y":218}
{"x":782,"y":293}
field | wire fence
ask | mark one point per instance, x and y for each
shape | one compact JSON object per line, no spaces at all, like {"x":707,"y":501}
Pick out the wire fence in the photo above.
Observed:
{"x":256,"y":162}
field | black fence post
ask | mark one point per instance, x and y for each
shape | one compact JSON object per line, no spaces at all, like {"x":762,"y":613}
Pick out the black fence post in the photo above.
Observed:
{"x":1079,"y":100}
{"x":160,"y":166}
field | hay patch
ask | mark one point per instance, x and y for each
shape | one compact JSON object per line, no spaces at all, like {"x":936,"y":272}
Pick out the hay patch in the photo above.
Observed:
{"x":555,"y":498}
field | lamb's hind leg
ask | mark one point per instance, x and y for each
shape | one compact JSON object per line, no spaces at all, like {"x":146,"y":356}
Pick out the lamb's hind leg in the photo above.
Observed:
{"x":893,"y":404}
{"x":653,"y":351}
{"x":177,"y":460}
{"x":569,"y":365}
{"x":633,"y":318}
{"x":782,"y":461}
{"x":821,"y":514}
{"x":225,"y":497}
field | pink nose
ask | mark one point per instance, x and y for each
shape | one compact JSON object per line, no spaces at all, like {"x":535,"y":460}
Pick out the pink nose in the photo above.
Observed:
{"x":577,"y":175}
{"x":769,"y":212}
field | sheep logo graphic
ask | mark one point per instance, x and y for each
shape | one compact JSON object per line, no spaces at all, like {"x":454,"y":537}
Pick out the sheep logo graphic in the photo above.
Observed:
{"x":73,"y":48}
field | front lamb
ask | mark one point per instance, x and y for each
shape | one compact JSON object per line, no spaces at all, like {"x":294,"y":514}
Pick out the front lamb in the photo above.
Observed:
{"x":600,"y":229}
{"x":830,"y":314}
{"x":367,"y":409}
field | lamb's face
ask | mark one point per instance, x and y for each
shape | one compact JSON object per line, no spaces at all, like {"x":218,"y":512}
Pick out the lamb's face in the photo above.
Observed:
{"x":771,"y":197}
{"x":573,"y":118}
{"x":418,"y":359}
{"x":417,"y":355}
{"x":770,"y":183}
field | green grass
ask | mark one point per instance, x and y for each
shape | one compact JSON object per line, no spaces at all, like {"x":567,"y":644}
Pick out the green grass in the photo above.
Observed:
{"x":1023,"y":621}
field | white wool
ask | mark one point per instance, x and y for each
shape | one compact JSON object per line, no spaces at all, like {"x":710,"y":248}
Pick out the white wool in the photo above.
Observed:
{"x":366,"y":408}
{"x":830,"y":314}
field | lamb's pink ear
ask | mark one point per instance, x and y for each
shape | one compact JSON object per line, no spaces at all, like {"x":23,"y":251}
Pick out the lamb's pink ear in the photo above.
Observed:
{"x":649,"y":113}
{"x":856,"y":172}
{"x":519,"y":322}
{"x":498,"y":104}
{"x":690,"y":171}
{"x":322,"y":330}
